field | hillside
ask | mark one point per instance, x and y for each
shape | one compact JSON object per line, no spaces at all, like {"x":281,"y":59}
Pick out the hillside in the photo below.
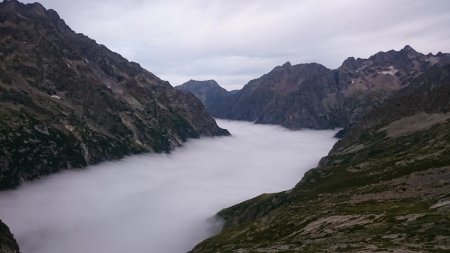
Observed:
{"x":66,"y":101}
{"x":383,"y":188}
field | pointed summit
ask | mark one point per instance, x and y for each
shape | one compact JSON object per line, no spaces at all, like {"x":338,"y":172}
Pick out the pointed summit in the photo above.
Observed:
{"x":349,"y":63}
{"x":283,"y":67}
{"x":408,"y":50}
{"x":287,"y":65}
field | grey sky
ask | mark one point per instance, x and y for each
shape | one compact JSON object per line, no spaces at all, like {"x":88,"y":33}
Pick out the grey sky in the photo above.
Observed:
{"x":234,"y":41}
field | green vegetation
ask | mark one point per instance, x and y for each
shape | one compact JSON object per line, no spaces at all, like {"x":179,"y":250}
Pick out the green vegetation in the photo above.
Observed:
{"x":376,"y":198}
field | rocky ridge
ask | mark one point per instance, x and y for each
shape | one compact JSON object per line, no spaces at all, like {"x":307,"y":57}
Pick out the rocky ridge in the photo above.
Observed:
{"x":382,"y":188}
{"x":66,"y":101}
{"x":313,"y":96}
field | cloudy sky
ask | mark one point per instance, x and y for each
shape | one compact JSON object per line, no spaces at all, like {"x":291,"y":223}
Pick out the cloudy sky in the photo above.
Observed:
{"x":234,"y":41}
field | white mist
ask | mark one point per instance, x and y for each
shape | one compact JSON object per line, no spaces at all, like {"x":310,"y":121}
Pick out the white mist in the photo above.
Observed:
{"x":159,"y":203}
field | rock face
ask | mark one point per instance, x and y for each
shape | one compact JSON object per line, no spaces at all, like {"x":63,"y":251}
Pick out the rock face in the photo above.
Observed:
{"x":209,"y":92}
{"x":312,"y":96}
{"x":66,"y":102}
{"x":383,"y":188}
{"x":7,"y":242}
{"x":292,"y":96}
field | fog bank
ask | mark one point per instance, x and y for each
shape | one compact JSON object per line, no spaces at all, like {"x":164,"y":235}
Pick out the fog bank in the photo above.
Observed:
{"x":159,"y":203}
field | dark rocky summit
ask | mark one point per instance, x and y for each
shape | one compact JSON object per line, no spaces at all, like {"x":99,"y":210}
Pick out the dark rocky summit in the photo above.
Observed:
{"x":212,"y":95}
{"x":66,"y":101}
{"x":312,"y":96}
{"x":385,"y":187}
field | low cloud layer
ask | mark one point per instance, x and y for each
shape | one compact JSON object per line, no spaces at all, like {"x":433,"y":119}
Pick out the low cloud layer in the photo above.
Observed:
{"x":235,"y":41}
{"x":159,"y":203}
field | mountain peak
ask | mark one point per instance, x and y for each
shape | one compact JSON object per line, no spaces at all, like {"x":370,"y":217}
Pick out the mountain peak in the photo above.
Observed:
{"x":409,"y":51}
{"x":283,"y":67}
{"x":210,"y":82}
{"x":30,"y":11}
{"x":208,"y":91}
{"x":408,"y":48}
{"x":10,"y":3}
{"x":287,"y":65}
{"x":349,"y":63}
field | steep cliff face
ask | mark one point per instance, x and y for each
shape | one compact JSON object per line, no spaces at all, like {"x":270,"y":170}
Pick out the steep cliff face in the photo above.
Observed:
{"x":212,"y":95}
{"x":66,"y":101}
{"x":383,"y":188}
{"x":7,"y":242}
{"x":312,"y":96}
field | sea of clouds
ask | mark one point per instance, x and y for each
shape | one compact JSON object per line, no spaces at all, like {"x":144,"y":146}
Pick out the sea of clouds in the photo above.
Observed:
{"x":159,"y":203}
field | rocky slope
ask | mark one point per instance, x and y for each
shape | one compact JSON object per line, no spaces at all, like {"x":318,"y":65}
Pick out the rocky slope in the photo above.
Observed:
{"x":7,"y":242}
{"x":212,"y":95}
{"x":66,"y":101}
{"x":383,"y":188}
{"x":312,"y":96}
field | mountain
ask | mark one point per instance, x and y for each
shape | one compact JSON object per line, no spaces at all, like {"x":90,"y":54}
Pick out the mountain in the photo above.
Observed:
{"x":313,"y":96}
{"x":212,"y":95}
{"x":383,"y":188}
{"x":292,"y":96}
{"x":66,"y":101}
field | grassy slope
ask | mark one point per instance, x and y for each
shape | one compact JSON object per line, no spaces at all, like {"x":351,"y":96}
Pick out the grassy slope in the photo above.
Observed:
{"x":373,"y":193}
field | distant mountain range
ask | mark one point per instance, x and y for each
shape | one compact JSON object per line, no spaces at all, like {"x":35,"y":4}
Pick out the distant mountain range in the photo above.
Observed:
{"x":383,"y":188}
{"x":313,"y":96}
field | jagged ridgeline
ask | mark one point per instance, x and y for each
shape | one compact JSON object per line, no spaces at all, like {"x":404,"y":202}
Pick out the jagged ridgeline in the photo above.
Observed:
{"x":313,"y":96}
{"x":66,"y":101}
{"x":385,"y":187}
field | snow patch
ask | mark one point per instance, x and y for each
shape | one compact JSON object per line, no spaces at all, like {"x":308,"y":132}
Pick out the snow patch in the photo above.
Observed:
{"x":55,"y":96}
{"x":390,"y":71}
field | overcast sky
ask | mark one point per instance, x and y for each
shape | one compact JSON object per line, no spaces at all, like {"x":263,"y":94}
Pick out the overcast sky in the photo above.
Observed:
{"x":234,"y":41}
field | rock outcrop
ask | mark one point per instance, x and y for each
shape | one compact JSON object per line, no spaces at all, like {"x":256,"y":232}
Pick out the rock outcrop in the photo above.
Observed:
{"x":383,"y":188}
{"x":66,"y":101}
{"x":7,"y":242}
